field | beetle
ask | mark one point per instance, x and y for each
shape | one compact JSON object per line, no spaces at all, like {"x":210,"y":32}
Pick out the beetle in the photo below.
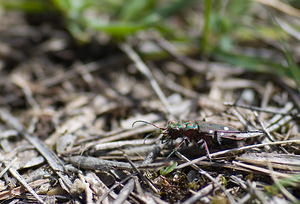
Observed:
{"x":201,"y":133}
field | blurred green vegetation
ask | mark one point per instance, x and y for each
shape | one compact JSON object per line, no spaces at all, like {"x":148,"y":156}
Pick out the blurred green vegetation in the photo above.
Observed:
{"x":224,"y":26}
{"x":293,"y":180}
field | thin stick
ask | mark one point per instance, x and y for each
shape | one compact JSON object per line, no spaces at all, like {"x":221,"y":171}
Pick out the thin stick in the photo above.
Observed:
{"x":54,"y":162}
{"x":201,"y":193}
{"x":283,"y":7}
{"x":265,"y":110}
{"x":288,"y":108}
{"x":16,"y":174}
{"x":270,"y":137}
{"x":104,"y":195}
{"x":235,"y":150}
{"x":260,"y":169}
{"x":141,"y":66}
{"x":138,"y":172}
{"x":283,"y":190}
{"x":125,"y":192}
{"x":7,"y":167}
{"x":201,"y":171}
{"x":267,"y":133}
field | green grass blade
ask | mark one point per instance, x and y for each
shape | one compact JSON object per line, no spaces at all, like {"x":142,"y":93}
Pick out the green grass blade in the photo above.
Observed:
{"x":293,"y":68}
{"x":252,"y":63}
{"x":29,"y":6}
{"x":168,"y":169}
{"x":168,"y":10}
{"x":293,"y":180}
{"x":136,"y":9}
{"x":206,"y":25}
{"x":118,"y":29}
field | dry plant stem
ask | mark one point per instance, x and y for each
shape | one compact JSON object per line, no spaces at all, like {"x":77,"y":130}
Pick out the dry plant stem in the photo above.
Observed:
{"x":7,"y":167}
{"x":267,"y":95}
{"x":112,"y":137}
{"x":111,"y":189}
{"x":204,"y":191}
{"x":158,"y":200}
{"x":265,"y":110}
{"x":76,"y":69}
{"x":240,"y":117}
{"x":136,"y":153}
{"x":124,"y":132}
{"x":124,"y":193}
{"x":260,"y":169}
{"x":153,"y":154}
{"x":127,"y":134}
{"x":174,"y":86}
{"x":135,"y":168}
{"x":239,"y":181}
{"x":103,"y":190}
{"x":120,"y":144}
{"x":283,"y":7}
{"x":23,"y":84}
{"x":55,"y":163}
{"x":259,"y":195}
{"x":143,"y":197}
{"x":37,"y":174}
{"x":267,"y":133}
{"x":150,"y":157}
{"x":222,"y":166}
{"x":141,"y":66}
{"x":243,"y":185}
{"x":235,"y":150}
{"x":142,"y":177}
{"x":287,"y":28}
{"x":93,"y":163}
{"x":287,"y":136}
{"x":15,"y":174}
{"x":245,"y":199}
{"x":138,"y":187}
{"x":288,"y":108}
{"x":280,"y":123}
{"x":270,"y":137}
{"x":293,"y":94}
{"x":5,"y":195}
{"x":99,"y":135}
{"x":201,"y":171}
{"x":283,"y":190}
{"x":88,"y":191}
{"x":284,"y":162}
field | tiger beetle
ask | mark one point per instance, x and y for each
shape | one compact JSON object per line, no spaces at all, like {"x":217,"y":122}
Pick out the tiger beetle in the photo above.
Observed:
{"x":207,"y":133}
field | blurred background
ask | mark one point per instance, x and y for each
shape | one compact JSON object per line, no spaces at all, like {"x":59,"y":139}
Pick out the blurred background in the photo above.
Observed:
{"x":78,"y":73}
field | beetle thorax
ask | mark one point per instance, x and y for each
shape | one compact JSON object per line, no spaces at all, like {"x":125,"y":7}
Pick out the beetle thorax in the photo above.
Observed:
{"x":175,"y":133}
{"x":182,"y":129}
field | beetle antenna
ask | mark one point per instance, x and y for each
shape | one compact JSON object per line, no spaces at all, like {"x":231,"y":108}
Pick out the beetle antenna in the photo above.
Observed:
{"x":148,"y":123}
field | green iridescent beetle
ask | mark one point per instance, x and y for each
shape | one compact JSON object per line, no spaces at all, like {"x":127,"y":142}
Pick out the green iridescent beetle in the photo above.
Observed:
{"x":203,"y":132}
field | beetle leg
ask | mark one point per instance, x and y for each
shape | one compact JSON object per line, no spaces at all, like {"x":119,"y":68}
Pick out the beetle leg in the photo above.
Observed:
{"x":198,"y":127}
{"x":147,"y":136}
{"x":177,"y":147}
{"x":187,"y":140}
{"x":207,"y":150}
{"x":218,"y":138}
